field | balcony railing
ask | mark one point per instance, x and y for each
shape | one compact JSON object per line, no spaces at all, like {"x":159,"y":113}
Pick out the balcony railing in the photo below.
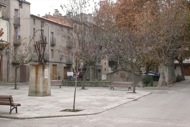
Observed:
{"x":69,"y":61}
{"x":44,"y":38}
{"x":17,"y":21}
{"x":17,"y":40}
{"x":53,"y":42}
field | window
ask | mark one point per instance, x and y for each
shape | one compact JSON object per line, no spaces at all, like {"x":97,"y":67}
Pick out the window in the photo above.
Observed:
{"x":42,"y":23}
{"x":20,"y":4}
{"x":16,"y":14}
{"x":52,"y":35}
{"x":52,"y":53}
{"x":34,"y":32}
{"x":16,"y":32}
{"x":34,"y":21}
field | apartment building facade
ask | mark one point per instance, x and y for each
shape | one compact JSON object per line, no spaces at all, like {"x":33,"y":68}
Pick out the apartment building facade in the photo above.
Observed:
{"x":22,"y":27}
{"x":101,"y":68}
{"x":17,"y":13}
{"x":4,"y":24}
{"x":57,"y":37}
{"x":26,"y":28}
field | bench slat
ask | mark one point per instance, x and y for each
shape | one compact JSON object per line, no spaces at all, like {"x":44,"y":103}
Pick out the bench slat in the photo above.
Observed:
{"x":56,"y":83}
{"x":5,"y":96}
{"x":121,"y":84}
{"x":8,"y":100}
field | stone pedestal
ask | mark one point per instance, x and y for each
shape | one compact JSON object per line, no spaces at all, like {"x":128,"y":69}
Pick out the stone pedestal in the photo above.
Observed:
{"x":39,"y":83}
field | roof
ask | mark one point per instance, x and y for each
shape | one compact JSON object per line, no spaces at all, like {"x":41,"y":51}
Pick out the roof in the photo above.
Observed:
{"x":59,"y":20}
{"x":24,"y":1}
{"x":51,"y":21}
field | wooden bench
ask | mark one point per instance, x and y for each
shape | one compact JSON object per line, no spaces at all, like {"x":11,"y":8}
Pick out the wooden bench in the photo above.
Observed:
{"x":8,"y":100}
{"x":127,"y":85}
{"x":57,"y":83}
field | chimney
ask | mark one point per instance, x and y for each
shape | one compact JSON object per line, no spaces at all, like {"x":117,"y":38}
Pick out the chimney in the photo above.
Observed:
{"x":56,"y":13}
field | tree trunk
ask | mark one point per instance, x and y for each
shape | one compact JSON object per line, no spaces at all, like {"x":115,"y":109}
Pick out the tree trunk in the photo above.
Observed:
{"x":182,"y":68}
{"x":133,"y":77}
{"x":91,"y":73}
{"x":16,"y":68}
{"x":74,"y":99}
{"x":134,"y":83}
{"x":84,"y":78}
{"x":1,"y":63}
{"x":167,"y":74}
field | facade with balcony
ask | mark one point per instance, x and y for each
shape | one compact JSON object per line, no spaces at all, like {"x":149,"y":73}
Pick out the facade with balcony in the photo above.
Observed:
{"x":17,"y":13}
{"x":56,"y":52}
{"x":21,"y":28}
{"x":102,"y":67}
{"x":4,"y":24}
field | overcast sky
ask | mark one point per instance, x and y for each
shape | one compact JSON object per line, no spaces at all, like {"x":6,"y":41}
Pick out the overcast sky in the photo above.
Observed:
{"x":42,"y":7}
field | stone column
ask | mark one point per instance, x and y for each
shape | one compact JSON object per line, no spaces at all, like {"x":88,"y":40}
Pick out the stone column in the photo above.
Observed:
{"x":39,"y":82}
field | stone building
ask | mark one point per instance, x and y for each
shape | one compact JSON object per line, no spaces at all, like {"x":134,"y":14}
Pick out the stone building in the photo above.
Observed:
{"x":17,"y":13}
{"x":4,"y":24}
{"x":57,"y":39}
{"x":101,"y":67}
{"x":21,"y":27}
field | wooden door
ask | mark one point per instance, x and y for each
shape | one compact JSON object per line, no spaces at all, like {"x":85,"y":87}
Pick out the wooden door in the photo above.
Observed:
{"x":23,"y":77}
{"x":187,"y":70}
{"x":54,"y":72}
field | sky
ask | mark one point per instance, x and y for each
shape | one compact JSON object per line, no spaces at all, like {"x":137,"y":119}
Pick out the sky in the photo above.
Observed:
{"x":42,"y":7}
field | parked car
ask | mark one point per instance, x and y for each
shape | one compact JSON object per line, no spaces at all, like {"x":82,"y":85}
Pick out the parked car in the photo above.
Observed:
{"x":155,"y":75}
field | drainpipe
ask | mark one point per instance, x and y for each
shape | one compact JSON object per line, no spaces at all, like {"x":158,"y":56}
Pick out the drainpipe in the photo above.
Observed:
{"x":49,"y":52}
{"x":8,"y":51}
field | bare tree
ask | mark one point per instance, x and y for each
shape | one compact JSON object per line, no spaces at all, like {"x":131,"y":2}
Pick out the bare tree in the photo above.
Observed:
{"x":87,"y":49}
{"x":21,"y":56}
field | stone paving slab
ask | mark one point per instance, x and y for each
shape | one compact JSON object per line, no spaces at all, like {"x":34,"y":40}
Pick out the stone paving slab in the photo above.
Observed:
{"x":94,"y":100}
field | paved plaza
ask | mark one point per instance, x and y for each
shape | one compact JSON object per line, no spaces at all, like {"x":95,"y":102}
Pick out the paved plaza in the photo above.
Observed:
{"x":94,"y":100}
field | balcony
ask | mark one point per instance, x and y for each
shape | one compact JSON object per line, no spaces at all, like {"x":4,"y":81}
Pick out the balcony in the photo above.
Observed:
{"x":53,"y":41}
{"x":35,"y":57}
{"x":46,"y":57}
{"x":17,"y":40}
{"x":17,"y":21}
{"x":43,"y":38}
{"x":15,"y":62}
{"x":69,"y":61}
